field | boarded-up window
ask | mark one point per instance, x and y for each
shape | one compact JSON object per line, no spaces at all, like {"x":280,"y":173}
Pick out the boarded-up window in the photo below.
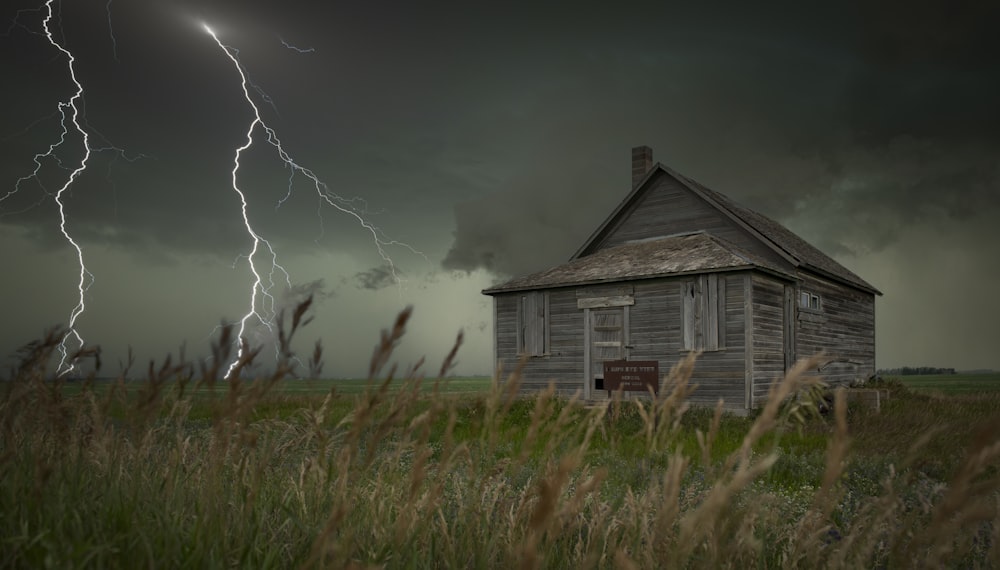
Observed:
{"x":532,"y":320}
{"x":703,"y":312}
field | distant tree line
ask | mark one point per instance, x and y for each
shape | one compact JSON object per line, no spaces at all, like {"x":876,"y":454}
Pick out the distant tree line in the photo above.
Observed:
{"x":915,"y":371}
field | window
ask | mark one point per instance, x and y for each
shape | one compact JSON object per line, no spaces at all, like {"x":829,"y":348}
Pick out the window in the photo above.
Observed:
{"x":809,"y":300}
{"x":703,"y":313}
{"x":532,"y":321}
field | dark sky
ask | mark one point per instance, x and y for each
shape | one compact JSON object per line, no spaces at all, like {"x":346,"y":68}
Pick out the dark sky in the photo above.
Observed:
{"x":492,"y":138}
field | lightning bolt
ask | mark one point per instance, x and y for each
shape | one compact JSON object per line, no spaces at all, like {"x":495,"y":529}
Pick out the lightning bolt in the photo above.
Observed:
{"x":294,"y":48}
{"x":261,"y":287}
{"x":74,"y":126}
{"x":111,"y":30}
{"x":86,"y":279}
{"x":70,"y":119}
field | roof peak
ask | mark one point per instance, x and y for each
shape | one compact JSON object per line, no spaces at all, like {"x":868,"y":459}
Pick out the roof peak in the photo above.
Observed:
{"x":771,"y":233}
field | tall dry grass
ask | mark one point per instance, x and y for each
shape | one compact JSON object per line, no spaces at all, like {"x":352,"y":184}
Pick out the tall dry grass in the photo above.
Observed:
{"x":119,"y":477}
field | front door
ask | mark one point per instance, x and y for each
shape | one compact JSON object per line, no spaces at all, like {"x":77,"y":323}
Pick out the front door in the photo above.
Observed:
{"x":607,"y":342}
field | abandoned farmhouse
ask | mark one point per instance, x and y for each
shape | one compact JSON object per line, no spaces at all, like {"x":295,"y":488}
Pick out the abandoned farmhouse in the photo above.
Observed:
{"x":678,"y":267}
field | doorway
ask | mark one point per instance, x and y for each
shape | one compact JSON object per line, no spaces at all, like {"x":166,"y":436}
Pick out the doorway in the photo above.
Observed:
{"x":607,"y":332}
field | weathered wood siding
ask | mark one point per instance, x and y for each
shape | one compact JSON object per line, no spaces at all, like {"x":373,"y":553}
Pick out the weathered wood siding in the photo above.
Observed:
{"x":720,"y":374}
{"x":654,"y":333}
{"x":563,"y":362}
{"x":669,"y":207}
{"x":768,"y":298}
{"x":843,"y":328}
{"x":654,"y":322}
{"x":654,"y":326}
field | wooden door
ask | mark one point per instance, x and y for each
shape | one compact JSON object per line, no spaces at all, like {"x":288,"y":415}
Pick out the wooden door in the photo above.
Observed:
{"x":607,"y":342}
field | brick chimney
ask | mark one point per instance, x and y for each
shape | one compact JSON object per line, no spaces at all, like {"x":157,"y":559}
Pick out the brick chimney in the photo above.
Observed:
{"x":642,"y":162}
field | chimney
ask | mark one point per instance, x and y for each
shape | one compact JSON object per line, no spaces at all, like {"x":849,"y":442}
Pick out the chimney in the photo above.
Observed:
{"x":642,"y":162}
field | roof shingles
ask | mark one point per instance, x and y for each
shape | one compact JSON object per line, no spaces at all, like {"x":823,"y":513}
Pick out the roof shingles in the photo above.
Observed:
{"x":692,"y":253}
{"x":783,"y":238}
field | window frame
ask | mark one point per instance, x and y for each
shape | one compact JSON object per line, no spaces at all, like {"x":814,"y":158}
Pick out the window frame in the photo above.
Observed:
{"x":810,"y":301}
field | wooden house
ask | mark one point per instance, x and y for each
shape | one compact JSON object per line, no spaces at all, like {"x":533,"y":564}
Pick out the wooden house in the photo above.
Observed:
{"x":678,"y":267}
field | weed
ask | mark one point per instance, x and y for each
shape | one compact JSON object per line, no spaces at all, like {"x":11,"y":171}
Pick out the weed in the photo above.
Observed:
{"x":190,"y":469}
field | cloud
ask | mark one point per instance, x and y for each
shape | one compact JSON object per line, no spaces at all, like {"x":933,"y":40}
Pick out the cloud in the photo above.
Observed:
{"x":528,"y":227}
{"x":905,"y":183}
{"x":316,"y":289}
{"x":376,"y":278}
{"x":899,"y":32}
{"x":850,"y":199}
{"x":849,"y":141}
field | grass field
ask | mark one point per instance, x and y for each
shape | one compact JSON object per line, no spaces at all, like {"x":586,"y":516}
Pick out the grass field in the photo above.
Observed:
{"x":278,"y":473}
{"x":313,"y":387}
{"x":953,"y":383}
{"x":450,"y":385}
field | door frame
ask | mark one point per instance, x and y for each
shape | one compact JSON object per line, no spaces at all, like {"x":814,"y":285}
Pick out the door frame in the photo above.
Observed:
{"x":588,"y":374}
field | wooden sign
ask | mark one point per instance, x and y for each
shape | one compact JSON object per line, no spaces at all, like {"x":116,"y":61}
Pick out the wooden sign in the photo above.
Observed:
{"x":632,"y":375}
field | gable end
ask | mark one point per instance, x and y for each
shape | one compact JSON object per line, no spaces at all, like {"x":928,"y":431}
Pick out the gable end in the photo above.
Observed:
{"x":714,"y":213}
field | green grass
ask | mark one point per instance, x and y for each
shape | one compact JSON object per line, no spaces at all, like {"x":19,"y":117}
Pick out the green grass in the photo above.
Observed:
{"x":388,"y":475}
{"x":285,"y":397}
{"x":450,"y":385}
{"x":311,"y":386}
{"x":953,"y":383}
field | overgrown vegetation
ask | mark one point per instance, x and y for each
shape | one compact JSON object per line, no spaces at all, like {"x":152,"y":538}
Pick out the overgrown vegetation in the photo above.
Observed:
{"x":235,"y":475}
{"x":954,"y":384}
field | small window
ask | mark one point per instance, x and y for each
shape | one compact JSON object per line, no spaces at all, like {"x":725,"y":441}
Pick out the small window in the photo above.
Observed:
{"x":532,"y":321}
{"x":809,"y":300}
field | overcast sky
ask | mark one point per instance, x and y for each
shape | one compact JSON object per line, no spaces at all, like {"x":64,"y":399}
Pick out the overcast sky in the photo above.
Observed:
{"x":492,"y":138}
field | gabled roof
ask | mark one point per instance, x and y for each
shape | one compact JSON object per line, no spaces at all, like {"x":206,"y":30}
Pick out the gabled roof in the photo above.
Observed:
{"x":771,"y":233}
{"x":675,"y":255}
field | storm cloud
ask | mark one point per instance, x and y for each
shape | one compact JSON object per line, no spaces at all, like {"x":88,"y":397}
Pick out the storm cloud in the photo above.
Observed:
{"x":494,"y":140}
{"x":849,"y":133}
{"x":376,"y":278}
